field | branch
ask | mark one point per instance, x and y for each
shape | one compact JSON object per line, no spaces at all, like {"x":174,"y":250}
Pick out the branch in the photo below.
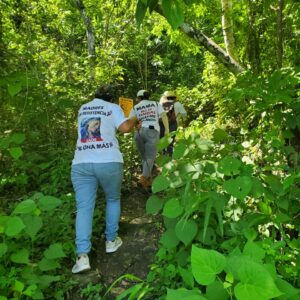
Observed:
{"x":202,"y":40}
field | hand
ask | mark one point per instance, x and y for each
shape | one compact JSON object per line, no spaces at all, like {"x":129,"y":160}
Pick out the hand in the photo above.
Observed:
{"x":138,"y":125}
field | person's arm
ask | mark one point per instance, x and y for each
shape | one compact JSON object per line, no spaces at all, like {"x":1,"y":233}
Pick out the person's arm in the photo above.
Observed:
{"x":128,"y":125}
{"x":165,"y":121}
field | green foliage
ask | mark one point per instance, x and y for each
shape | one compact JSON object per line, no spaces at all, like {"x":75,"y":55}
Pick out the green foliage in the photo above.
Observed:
{"x":28,"y":269}
{"x":229,"y":211}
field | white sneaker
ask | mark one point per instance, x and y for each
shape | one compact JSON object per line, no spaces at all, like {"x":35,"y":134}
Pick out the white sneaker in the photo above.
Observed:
{"x":112,"y":246}
{"x":82,"y":264}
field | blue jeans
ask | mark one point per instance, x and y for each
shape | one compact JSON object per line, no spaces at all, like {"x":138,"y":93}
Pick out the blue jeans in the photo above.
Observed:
{"x":146,"y":140}
{"x":86,"y":178}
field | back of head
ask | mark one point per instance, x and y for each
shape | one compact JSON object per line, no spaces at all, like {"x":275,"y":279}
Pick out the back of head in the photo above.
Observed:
{"x":105,"y":92}
{"x":143,"y":94}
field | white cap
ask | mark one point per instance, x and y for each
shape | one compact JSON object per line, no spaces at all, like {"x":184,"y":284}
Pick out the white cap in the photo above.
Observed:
{"x":141,"y":93}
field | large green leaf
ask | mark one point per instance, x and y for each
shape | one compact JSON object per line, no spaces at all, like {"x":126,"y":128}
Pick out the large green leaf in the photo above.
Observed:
{"x":219,"y":135}
{"x":25,"y":207}
{"x":14,"y":226}
{"x":289,"y":291}
{"x":154,"y":205}
{"x":54,"y":251}
{"x":216,"y":291}
{"x":164,"y":142}
{"x":229,"y":165}
{"x":180,"y":150}
{"x":254,"y":251}
{"x":206,"y":264}
{"x":20,"y":257}
{"x":173,"y":208}
{"x":169,"y":239}
{"x":33,"y":225}
{"x":173,"y":12}
{"x":48,"y":264}
{"x":49,"y":203}
{"x":186,"y":230}
{"x":187,"y":277}
{"x":184,"y":294}
{"x":160,"y":183}
{"x":15,"y":152}
{"x":14,"y":88}
{"x":17,"y":138}
{"x":239,"y":187}
{"x":3,"y":249}
{"x":140,"y":12}
{"x":256,"y":281}
{"x":46,"y":280}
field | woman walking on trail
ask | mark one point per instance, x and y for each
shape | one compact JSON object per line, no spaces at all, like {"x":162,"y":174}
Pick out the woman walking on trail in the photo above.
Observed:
{"x":146,"y":137}
{"x":98,"y":160}
{"x":176,"y":115}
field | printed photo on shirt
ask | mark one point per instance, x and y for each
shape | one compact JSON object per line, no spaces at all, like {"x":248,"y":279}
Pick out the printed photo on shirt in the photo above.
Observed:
{"x":90,"y":130}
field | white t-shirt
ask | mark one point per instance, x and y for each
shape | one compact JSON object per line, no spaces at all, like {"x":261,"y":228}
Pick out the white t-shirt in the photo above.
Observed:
{"x":148,"y":112}
{"x":98,"y":121}
{"x":179,"y":109}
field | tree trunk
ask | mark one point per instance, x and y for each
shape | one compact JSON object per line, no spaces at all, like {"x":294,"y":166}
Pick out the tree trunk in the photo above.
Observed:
{"x":227,"y":27}
{"x":279,"y":40}
{"x":89,"y":29}
{"x":200,"y":38}
{"x":253,"y":49}
{"x":230,"y":63}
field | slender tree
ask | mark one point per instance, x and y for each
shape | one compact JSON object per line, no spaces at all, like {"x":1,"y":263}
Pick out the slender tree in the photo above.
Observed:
{"x":89,"y":28}
{"x":279,"y":40}
{"x":227,"y":27}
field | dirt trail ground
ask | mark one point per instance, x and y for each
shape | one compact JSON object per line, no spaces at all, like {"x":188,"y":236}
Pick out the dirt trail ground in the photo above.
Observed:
{"x":140,"y":234}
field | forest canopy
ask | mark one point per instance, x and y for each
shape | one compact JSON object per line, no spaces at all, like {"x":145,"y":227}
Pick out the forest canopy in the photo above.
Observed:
{"x":229,"y":195}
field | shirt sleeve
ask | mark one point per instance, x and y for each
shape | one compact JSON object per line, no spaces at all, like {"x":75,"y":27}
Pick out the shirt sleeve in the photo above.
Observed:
{"x":118,"y":116}
{"x":179,"y":109}
{"x":160,"y":109}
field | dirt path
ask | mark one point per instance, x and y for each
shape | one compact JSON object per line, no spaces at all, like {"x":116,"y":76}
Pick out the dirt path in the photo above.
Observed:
{"x":140,"y":234}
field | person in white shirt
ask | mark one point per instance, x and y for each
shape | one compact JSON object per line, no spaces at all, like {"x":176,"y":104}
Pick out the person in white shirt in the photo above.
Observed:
{"x":98,"y":160}
{"x":148,"y":113}
{"x":176,"y":115}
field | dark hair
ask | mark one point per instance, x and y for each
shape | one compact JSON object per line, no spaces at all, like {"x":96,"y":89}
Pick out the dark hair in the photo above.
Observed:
{"x":145,"y":96}
{"x":105,"y":92}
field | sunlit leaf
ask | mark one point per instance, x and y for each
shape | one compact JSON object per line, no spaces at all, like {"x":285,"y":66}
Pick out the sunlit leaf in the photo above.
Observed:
{"x":206,"y":264}
{"x":33,"y":225}
{"x":20,"y":257}
{"x":154,"y":204}
{"x":184,"y":294}
{"x":239,"y":187}
{"x":140,"y":12}
{"x":160,"y":183}
{"x":186,"y":230}
{"x":15,"y":152}
{"x":48,"y":264}
{"x":54,"y":251}
{"x":169,"y":239}
{"x":229,"y":165}
{"x":172,"y":208}
{"x":49,"y":203}
{"x":14,"y":88}
{"x":14,"y":226}
{"x":25,"y":207}
{"x":173,"y":12}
